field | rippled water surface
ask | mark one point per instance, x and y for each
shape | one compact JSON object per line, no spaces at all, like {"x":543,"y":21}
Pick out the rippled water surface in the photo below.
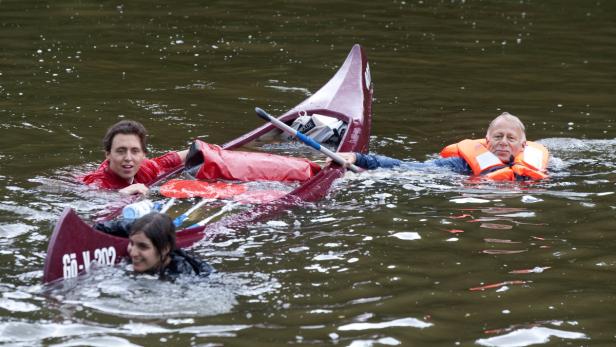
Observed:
{"x":390,"y":257}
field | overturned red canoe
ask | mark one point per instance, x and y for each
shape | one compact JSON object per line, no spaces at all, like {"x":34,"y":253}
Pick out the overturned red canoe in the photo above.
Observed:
{"x":74,"y":244}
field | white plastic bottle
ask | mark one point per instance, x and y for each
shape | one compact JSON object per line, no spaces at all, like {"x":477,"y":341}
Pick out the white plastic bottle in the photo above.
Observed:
{"x":138,"y":209}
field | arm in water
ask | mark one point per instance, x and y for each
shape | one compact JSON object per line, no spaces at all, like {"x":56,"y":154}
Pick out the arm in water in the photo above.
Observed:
{"x":371,"y":162}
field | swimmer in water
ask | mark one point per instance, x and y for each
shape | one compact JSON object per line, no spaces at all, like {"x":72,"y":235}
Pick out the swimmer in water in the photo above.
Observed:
{"x":152,"y":249}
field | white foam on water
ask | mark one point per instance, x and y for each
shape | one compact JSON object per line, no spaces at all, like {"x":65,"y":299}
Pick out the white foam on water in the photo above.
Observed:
{"x":276,"y":224}
{"x":181,"y":321}
{"x":291,"y":89}
{"x":98,"y":341}
{"x":298,"y":249}
{"x":403,"y":322}
{"x":407,"y":235}
{"x":31,"y":332}
{"x":17,"y":295}
{"x":412,"y":187}
{"x":518,"y":215}
{"x":527,"y":337}
{"x":329,"y":256}
{"x":17,"y":306}
{"x":317,"y":267}
{"x":213,"y":330}
{"x":113,"y":291}
{"x":320,"y":311}
{"x":469,"y":201}
{"x":387,"y":341}
{"x":22,"y":331}
{"x":324,"y":219}
{"x":529,"y":199}
{"x":10,"y":231}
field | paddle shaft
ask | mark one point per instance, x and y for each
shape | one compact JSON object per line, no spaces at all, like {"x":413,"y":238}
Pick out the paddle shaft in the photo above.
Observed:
{"x":230,"y":205}
{"x":181,"y":218}
{"x":306,"y":139}
{"x":167,"y":205}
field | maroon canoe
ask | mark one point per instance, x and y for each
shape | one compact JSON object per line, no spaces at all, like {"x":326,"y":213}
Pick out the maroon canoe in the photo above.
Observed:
{"x":75,"y":245}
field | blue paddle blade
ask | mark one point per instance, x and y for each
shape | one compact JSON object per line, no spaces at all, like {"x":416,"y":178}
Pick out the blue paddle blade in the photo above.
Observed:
{"x":179,"y":220}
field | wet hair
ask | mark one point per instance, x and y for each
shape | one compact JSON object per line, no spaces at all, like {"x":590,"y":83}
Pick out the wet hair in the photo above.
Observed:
{"x":127,"y":127}
{"x":159,"y":229}
{"x":506,"y":116}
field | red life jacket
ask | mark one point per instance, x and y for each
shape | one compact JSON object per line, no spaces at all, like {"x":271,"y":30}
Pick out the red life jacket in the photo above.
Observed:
{"x":530,"y":163}
{"x":207,"y":161}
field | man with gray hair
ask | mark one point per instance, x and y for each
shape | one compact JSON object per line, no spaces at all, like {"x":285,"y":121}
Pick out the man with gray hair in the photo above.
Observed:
{"x":504,"y":154}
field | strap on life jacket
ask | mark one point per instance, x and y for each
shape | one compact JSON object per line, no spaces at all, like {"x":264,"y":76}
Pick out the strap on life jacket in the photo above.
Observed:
{"x":532,"y":162}
{"x":478,"y":157}
{"x":207,"y":161}
{"x":534,"y":156}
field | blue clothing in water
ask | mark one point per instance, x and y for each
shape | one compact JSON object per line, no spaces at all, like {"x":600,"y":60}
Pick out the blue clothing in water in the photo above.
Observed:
{"x":371,"y":162}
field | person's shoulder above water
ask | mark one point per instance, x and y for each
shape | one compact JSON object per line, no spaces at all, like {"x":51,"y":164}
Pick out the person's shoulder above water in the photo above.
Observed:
{"x":126,"y":167}
{"x":152,"y":249}
{"x":183,"y":264}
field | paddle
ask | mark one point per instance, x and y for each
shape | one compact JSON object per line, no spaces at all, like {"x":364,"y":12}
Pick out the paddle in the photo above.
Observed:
{"x":250,"y":197}
{"x":229,"y":206}
{"x":193,"y":188}
{"x":167,"y":205}
{"x":306,"y":139}
{"x":181,"y":218}
{"x":211,"y":191}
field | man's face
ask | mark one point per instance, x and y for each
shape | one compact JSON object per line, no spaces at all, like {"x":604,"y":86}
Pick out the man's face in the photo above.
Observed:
{"x":505,"y":139}
{"x":126,"y":155}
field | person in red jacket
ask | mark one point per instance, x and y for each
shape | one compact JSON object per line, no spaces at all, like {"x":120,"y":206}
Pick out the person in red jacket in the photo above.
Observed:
{"x":126,"y":167}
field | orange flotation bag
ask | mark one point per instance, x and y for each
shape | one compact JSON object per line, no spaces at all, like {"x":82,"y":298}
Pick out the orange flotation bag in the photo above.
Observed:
{"x":207,"y":161}
{"x":529,"y":164}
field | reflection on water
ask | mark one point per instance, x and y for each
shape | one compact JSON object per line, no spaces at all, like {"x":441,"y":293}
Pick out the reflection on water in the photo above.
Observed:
{"x":76,"y":334}
{"x":531,"y":336}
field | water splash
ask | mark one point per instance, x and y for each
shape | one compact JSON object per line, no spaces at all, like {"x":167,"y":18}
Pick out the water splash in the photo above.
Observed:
{"x":112,"y":291}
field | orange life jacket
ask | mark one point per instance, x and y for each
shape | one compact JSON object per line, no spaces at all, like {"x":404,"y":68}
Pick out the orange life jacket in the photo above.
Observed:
{"x":529,"y":164}
{"x":207,"y":161}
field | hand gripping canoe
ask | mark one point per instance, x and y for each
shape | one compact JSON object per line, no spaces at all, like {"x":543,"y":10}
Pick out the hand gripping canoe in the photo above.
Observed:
{"x":306,"y":139}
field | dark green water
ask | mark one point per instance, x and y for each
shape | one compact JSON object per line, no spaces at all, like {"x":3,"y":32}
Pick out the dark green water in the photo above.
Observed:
{"x":349,"y":271}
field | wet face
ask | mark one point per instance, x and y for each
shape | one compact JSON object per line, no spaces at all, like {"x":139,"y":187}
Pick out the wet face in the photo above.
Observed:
{"x":126,"y":156}
{"x":145,"y":257}
{"x":505,"y":139}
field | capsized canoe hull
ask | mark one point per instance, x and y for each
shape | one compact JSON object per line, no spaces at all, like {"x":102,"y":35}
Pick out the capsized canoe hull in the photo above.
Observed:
{"x":75,"y":245}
